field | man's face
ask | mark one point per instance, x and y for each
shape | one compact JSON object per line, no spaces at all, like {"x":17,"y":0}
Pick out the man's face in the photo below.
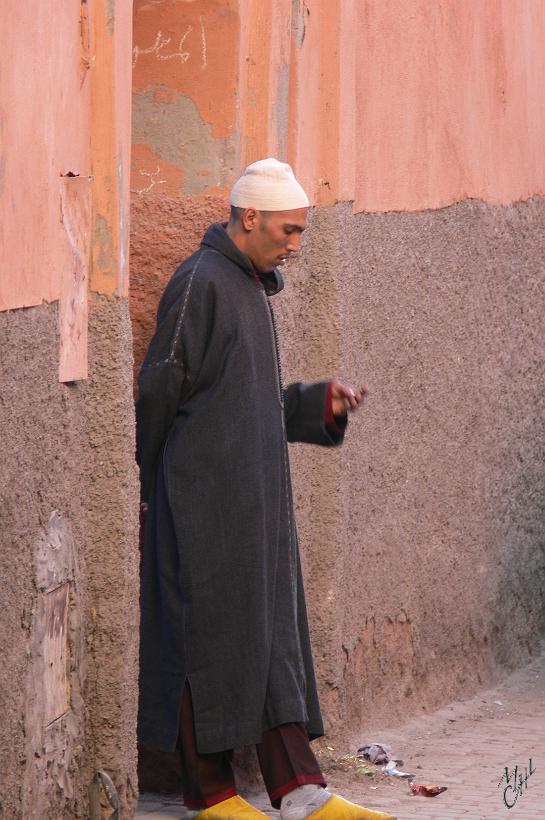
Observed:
{"x":273,"y":236}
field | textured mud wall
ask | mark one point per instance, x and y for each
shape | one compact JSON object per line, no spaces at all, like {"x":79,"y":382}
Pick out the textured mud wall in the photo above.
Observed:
{"x":68,"y":480}
{"x":112,"y":495}
{"x":422,"y":539}
{"x":67,"y":517}
{"x":178,"y":226}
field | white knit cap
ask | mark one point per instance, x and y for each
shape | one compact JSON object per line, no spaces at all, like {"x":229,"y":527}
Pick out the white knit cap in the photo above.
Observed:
{"x":268,"y":185}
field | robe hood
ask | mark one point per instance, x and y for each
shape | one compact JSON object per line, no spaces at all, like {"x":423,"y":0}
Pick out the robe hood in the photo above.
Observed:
{"x":216,"y":237}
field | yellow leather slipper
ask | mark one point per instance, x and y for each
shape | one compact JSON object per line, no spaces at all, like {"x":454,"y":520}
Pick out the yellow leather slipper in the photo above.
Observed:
{"x":230,"y":809}
{"x":336,"y":808}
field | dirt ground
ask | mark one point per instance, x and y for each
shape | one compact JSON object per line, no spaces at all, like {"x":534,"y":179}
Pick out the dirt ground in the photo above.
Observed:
{"x":466,"y":747}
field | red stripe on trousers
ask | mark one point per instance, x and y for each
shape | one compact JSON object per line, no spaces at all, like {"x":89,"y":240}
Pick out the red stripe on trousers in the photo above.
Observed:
{"x":285,"y":758}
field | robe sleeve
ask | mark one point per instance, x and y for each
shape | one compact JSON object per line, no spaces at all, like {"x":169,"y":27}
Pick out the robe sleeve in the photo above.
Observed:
{"x":160,"y":386}
{"x":305,"y":414}
{"x":173,"y":359}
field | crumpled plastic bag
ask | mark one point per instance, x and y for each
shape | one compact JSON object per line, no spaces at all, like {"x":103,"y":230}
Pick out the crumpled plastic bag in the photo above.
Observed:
{"x":392,"y":770}
{"x":378,"y":753}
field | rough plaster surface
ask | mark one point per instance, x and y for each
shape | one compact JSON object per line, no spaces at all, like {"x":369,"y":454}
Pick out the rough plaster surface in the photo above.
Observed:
{"x":207,"y":161}
{"x":178,"y":227}
{"x":429,"y":573}
{"x":55,"y":747}
{"x":422,"y":539}
{"x":68,"y":514}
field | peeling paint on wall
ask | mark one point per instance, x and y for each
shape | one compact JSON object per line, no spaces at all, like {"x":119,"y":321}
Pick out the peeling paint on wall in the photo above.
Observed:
{"x":85,"y":41}
{"x":110,"y":15}
{"x":73,"y":313}
{"x":170,"y":124}
{"x":299,"y":13}
{"x":55,"y":652}
{"x":53,"y":733}
{"x":103,"y":242}
{"x":280,"y":112}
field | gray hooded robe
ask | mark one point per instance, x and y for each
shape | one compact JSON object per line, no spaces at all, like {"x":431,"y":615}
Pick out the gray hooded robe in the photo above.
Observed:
{"x":222,"y":595}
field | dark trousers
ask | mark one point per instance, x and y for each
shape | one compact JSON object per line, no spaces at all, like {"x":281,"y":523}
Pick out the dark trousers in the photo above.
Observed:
{"x":285,"y":758}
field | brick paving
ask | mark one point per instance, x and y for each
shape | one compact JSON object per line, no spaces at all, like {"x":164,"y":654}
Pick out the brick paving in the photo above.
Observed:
{"x":465,"y":746}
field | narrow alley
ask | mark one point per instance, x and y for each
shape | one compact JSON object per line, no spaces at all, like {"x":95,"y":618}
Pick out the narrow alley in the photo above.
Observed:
{"x":465,"y":746}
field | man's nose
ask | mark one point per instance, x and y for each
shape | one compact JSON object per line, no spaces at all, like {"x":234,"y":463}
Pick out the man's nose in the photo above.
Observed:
{"x":294,"y":242}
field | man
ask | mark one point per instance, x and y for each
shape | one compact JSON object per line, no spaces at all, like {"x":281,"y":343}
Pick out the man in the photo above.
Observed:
{"x":225,"y":650}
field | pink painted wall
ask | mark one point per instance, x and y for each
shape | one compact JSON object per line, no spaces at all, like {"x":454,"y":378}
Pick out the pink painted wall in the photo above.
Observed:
{"x":394,"y":105}
{"x":449,"y":102}
{"x":65,"y":148}
{"x":44,"y":82}
{"x":45,"y":214}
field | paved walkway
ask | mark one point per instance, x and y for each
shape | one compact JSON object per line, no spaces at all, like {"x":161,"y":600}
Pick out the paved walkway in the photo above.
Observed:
{"x":465,"y":746}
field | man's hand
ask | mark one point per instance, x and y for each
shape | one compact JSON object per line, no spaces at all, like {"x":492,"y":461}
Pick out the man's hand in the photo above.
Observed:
{"x":345,"y":398}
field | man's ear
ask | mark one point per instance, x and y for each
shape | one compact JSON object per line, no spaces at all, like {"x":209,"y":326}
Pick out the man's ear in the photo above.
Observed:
{"x":249,"y":219}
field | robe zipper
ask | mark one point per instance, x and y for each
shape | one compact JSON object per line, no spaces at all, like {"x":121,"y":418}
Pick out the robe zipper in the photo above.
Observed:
{"x":274,"y":336}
